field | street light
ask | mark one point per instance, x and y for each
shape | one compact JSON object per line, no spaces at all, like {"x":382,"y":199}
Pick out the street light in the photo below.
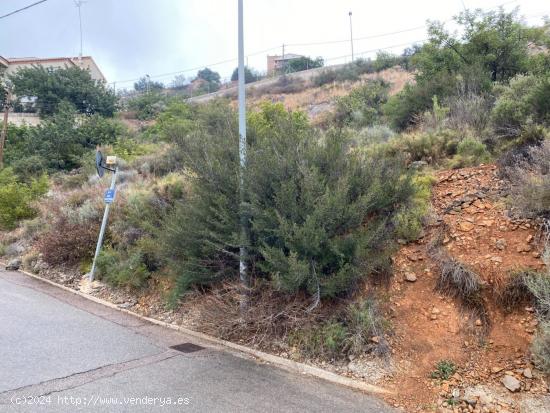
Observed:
{"x":351,"y":35}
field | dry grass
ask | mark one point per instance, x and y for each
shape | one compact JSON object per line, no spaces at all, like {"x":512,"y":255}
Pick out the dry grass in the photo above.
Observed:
{"x":269,"y":316}
{"x":515,"y":292}
{"x":311,"y":96}
{"x":461,"y":282}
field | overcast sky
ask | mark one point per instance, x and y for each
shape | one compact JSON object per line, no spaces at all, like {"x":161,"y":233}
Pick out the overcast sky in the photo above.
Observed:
{"x":128,"y":38}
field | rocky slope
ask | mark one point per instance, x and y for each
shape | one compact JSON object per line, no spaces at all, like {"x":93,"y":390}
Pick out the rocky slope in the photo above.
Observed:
{"x":494,"y":372}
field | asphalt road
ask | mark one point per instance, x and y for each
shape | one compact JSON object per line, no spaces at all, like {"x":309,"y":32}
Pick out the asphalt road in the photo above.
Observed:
{"x":62,"y":353}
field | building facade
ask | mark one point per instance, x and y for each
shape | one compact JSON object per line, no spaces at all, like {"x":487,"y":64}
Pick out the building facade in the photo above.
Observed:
{"x":11,"y":65}
{"x":277,"y":63}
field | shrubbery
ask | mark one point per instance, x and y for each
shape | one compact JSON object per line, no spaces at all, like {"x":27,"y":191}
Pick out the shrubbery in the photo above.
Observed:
{"x":539,"y":285}
{"x":403,"y":109}
{"x":530,"y":177}
{"x":59,"y":142}
{"x":359,"y":329}
{"x":525,"y":100}
{"x":16,"y":198}
{"x":148,"y":105}
{"x":320,"y":215}
{"x":362,"y":107}
{"x":470,"y":152}
{"x":349,"y":72}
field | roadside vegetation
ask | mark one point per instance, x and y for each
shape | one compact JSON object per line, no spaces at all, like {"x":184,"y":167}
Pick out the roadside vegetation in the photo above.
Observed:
{"x":325,"y":207}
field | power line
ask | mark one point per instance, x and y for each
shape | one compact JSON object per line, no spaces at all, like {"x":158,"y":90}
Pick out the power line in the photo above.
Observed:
{"x":24,"y":8}
{"x":197,"y":67}
{"x":311,"y":44}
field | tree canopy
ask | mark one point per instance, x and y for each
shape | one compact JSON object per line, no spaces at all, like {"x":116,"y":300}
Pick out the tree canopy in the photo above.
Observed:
{"x":303,"y":63}
{"x":50,"y":87}
{"x":144,"y":84}
{"x":249,"y":75}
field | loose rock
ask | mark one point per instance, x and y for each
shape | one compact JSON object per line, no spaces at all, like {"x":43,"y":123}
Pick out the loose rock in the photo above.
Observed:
{"x":14,"y":264}
{"x":511,"y":383}
{"x":410,"y":277}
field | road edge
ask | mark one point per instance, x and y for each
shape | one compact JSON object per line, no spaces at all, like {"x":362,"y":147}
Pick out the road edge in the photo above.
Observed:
{"x":281,"y":362}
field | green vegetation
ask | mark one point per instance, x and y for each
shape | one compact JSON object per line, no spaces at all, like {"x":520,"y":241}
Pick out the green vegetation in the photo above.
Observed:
{"x":319,"y":214}
{"x":59,"y":142}
{"x":492,"y":51}
{"x":53,"y":87}
{"x":444,"y":369}
{"x":324,"y":206}
{"x":302,"y":63}
{"x":145,"y":84}
{"x":358,"y":329}
{"x":210,"y":80}
{"x":16,"y":198}
{"x":362,"y":107}
{"x":250,"y":75}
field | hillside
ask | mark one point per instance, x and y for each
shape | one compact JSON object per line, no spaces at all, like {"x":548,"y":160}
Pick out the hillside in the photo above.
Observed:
{"x":392,"y":216}
{"x":478,"y":230}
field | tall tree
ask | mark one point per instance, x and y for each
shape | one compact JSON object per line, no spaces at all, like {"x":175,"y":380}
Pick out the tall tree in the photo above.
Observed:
{"x":212,"y":80}
{"x":249,"y":75}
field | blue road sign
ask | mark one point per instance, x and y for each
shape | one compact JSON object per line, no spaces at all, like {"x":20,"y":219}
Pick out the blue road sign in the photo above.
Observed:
{"x":109,"y":196}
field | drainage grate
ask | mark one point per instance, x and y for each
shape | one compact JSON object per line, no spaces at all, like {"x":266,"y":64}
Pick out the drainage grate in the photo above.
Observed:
{"x":187,"y":347}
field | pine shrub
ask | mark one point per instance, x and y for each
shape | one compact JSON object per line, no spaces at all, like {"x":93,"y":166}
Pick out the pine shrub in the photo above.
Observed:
{"x":319,"y":215}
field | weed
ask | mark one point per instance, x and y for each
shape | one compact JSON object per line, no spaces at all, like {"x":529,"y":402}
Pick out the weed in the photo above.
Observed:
{"x":516,"y":291}
{"x":541,"y":347}
{"x":444,"y":369}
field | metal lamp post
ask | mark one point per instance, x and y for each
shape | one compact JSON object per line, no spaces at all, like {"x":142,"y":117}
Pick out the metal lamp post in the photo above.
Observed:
{"x":351,"y":35}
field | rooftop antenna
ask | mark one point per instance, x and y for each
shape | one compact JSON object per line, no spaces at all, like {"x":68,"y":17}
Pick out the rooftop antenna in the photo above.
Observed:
{"x":79,"y":3}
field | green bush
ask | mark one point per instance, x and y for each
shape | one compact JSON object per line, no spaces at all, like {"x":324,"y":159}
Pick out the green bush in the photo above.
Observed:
{"x":403,"y":109}
{"x":444,"y":369}
{"x":432,"y":146}
{"x":385,"y":60}
{"x":470,"y":152}
{"x":525,"y":99}
{"x":348,"y":72}
{"x":16,"y":198}
{"x":539,"y":285}
{"x":59,"y":143}
{"x":409,"y":220}
{"x":148,"y":105}
{"x":319,"y":214}
{"x":362,"y":107}
{"x":530,"y":178}
{"x":375,"y":134}
{"x":349,"y":333}
{"x":122,"y":270}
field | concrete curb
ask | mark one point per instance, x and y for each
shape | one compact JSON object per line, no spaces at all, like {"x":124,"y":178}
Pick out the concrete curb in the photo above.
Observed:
{"x":286,"y":364}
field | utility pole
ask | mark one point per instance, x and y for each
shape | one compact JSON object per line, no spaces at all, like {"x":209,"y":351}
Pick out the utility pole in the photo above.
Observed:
{"x":79,"y":3}
{"x":351,"y":35}
{"x":147,"y":83}
{"x":242,"y":165}
{"x":4,"y":126}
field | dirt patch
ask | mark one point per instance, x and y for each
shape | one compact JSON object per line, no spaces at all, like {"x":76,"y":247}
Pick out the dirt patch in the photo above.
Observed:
{"x":431,"y":327}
